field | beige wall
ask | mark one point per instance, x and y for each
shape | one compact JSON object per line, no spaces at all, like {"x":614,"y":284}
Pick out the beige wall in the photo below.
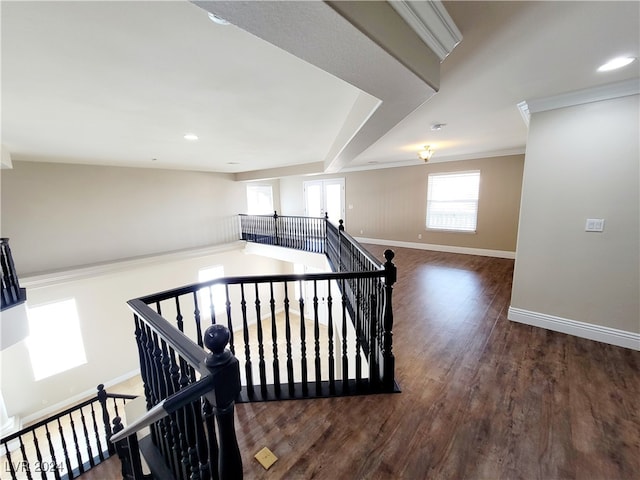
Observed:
{"x":61,"y":215}
{"x":582,"y":162}
{"x":390,"y":204}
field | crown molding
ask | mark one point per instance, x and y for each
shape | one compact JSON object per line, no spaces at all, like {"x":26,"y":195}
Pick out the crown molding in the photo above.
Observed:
{"x":587,"y":95}
{"x":432,"y":24}
{"x":523,"y":108}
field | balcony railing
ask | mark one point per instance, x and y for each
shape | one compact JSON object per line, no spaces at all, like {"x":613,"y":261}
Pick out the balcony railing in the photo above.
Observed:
{"x":67,"y":444}
{"x":11,"y":294}
{"x":295,"y":336}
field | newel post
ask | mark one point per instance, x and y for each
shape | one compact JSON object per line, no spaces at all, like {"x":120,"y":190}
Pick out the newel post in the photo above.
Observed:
{"x":388,"y":360}
{"x":225,"y":369}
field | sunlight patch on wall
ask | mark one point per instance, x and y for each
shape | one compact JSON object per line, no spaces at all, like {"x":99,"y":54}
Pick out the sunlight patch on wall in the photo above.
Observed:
{"x":55,"y":343}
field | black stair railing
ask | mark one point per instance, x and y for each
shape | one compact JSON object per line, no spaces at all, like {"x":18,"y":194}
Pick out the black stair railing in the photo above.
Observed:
{"x":11,"y":294}
{"x":64,"y":445}
{"x":298,"y":336}
{"x":295,"y":336}
{"x":185,"y":388}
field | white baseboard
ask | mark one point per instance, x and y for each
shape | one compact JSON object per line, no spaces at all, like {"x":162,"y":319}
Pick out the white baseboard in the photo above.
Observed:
{"x":612,"y":336}
{"x":69,"y":402}
{"x":484,"y":252}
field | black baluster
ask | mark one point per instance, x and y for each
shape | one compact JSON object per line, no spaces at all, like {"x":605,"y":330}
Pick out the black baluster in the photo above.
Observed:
{"x":38,"y":454}
{"x":359,"y":336}
{"x":212,"y":442}
{"x":229,"y":318}
{"x":67,"y":460}
{"x":196,"y":315}
{"x":261,"y":362}
{"x":247,"y":349}
{"x":86,"y":439}
{"x":52,"y":452}
{"x":183,"y":420}
{"x":27,"y":463}
{"x":12,"y":469}
{"x":287,"y":330}
{"x":76,"y":444}
{"x":179,"y":317}
{"x":316,"y":336}
{"x":163,"y":362}
{"x":192,"y":455}
{"x":95,"y":432}
{"x":212,"y":307}
{"x":303,"y":346}
{"x":374,"y":369}
{"x":201,"y":441}
{"x":345,"y":360}
{"x":274,"y":338}
{"x":141,"y":341}
{"x":332,"y":370}
{"x":174,"y":382}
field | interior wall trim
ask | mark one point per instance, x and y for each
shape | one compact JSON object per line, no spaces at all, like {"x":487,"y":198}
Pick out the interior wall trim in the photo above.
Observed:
{"x":69,"y":275}
{"x":432,"y":23}
{"x":484,"y":252}
{"x":79,"y":397}
{"x":587,"y":95}
{"x":599,"y":333}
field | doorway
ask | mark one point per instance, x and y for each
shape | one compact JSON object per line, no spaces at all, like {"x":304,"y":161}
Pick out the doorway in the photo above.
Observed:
{"x":324,"y":196}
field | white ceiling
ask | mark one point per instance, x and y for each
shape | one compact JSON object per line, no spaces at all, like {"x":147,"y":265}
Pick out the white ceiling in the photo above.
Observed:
{"x":120,"y":83}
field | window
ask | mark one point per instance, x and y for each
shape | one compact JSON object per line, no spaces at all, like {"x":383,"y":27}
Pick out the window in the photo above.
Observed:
{"x":55,"y":343}
{"x":452,"y":201}
{"x":216,"y":293}
{"x":259,"y":199}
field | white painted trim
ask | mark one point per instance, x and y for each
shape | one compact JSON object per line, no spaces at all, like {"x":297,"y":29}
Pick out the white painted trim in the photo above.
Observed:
{"x":79,"y":273}
{"x":587,"y":95}
{"x":69,"y":402}
{"x":612,"y":336}
{"x":523,"y":108}
{"x":440,"y":248}
{"x":432,"y":24}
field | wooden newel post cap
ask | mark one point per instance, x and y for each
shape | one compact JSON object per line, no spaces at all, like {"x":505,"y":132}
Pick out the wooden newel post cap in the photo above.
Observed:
{"x":341,"y":226}
{"x":215,"y":338}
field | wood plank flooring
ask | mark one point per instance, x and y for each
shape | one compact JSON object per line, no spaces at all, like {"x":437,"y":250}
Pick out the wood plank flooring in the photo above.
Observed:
{"x":482,"y":397}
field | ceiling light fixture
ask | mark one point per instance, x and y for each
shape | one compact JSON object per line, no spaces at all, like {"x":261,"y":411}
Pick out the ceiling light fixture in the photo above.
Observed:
{"x":216,"y":19}
{"x":190,"y":136}
{"x":425,"y":154}
{"x":436,"y":127}
{"x":616,"y":63}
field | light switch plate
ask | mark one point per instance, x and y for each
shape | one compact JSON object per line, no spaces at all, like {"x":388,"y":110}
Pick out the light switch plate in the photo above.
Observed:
{"x":594,"y":225}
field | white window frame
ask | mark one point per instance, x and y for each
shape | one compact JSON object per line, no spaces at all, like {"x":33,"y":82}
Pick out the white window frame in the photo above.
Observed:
{"x":260,"y":207}
{"x":446,"y":212}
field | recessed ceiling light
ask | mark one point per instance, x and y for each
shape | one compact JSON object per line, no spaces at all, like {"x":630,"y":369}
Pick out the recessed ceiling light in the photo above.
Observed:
{"x":190,"y":136}
{"x":616,"y":63}
{"x":216,"y":19}
{"x":233,"y":163}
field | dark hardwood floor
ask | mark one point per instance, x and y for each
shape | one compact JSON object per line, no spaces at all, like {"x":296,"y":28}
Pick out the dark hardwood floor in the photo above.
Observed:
{"x":482,"y":397}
